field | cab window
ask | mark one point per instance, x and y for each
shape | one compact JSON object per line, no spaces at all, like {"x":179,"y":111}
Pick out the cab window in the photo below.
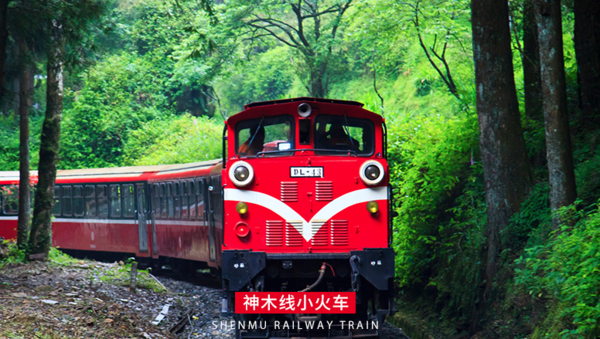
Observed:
{"x":271,"y":135}
{"x":336,"y":135}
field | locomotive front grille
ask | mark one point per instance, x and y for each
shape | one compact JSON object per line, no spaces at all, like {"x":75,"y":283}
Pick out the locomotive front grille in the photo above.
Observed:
{"x":339,"y":232}
{"x":275,"y":233}
{"x":289,"y":191}
{"x":320,"y":233}
{"x":293,"y":236}
{"x":324,"y":190}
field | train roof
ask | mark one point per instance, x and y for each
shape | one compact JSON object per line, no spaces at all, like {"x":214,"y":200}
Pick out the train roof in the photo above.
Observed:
{"x":303,"y":99}
{"x":134,"y":170}
{"x":131,"y":173}
{"x":289,"y":106}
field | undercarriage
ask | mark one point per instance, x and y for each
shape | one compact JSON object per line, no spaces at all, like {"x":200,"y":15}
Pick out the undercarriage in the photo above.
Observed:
{"x":368,"y":273}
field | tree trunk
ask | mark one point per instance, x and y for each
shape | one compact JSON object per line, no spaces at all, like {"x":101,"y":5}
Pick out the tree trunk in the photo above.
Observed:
{"x":3,"y":42}
{"x":505,"y":166}
{"x":24,"y":188}
{"x":317,"y":89}
{"x":531,"y":65}
{"x":558,"y":141}
{"x":41,"y":227}
{"x":587,"y":49}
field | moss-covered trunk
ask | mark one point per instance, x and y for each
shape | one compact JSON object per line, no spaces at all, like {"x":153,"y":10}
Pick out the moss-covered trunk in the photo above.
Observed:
{"x":558,"y":140}
{"x":24,"y":188}
{"x":39,"y":239}
{"x":3,"y":41}
{"x":505,"y":167}
{"x":531,"y":65}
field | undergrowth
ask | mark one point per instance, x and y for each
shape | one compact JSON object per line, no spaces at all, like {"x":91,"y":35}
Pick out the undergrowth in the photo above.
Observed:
{"x":120,"y":275}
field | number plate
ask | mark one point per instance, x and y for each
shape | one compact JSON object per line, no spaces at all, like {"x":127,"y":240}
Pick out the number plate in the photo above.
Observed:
{"x":306,"y":172}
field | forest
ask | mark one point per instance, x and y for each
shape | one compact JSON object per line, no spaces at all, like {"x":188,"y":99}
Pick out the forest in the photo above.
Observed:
{"x":492,"y":109}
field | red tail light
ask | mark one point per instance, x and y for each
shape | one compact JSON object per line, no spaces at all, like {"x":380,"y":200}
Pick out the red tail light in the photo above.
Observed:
{"x":242,"y":230}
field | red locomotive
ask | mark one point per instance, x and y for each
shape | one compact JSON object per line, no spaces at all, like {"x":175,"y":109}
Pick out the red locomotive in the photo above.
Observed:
{"x":303,"y":186}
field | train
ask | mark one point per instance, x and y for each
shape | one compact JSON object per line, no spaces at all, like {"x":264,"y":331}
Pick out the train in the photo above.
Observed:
{"x":300,"y":201}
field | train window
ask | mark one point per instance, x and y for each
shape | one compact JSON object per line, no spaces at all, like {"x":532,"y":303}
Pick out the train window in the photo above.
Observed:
{"x":10,"y":199}
{"x":184,"y":200}
{"x":170,"y":211}
{"x":115,"y":201}
{"x":90,"y":201}
{"x":67,"y":203}
{"x":101,"y":194}
{"x":78,"y":201}
{"x":156,"y":201}
{"x":192,"y":199}
{"x":128,"y":201}
{"x":342,"y":133}
{"x":56,"y":207}
{"x":163,"y":201}
{"x":200,"y":197}
{"x":304,"y":127}
{"x":177,"y":199}
{"x":266,"y":134}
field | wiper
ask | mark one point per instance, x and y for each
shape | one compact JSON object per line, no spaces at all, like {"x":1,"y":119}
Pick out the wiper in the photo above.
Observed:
{"x":259,"y":125}
{"x":347,"y":130}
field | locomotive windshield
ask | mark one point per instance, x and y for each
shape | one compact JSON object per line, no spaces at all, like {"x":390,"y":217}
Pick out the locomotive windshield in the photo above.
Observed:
{"x":265,"y":134}
{"x":334,"y":132}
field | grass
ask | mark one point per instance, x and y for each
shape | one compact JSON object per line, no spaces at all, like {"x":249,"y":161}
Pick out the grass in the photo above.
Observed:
{"x":121,"y":275}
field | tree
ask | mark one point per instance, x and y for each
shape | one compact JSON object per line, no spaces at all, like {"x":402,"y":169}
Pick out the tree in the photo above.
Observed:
{"x":587,"y":49}
{"x":39,"y":239}
{"x":530,"y":59}
{"x":558,"y":140}
{"x":444,"y":16}
{"x":3,"y":42}
{"x":311,"y":29}
{"x":67,"y":24}
{"x":505,"y":167}
{"x":24,"y":187}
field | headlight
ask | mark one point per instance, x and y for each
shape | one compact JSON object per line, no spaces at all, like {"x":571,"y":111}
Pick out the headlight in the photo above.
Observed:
{"x":371,"y":172}
{"x":241,"y":173}
{"x":241,"y":207}
{"x":372,"y":207}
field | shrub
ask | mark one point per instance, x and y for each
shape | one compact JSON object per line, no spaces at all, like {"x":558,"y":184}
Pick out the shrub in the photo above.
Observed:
{"x":175,"y":140}
{"x":566,"y":268}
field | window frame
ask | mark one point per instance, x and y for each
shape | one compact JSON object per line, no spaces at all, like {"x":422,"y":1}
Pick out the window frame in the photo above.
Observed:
{"x":64,"y":198}
{"x":57,"y":198}
{"x":107,"y":202}
{"x":244,"y":124}
{"x":316,"y":134}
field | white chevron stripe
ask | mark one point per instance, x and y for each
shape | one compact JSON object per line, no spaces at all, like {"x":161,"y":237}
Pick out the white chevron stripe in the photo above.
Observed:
{"x":288,"y":214}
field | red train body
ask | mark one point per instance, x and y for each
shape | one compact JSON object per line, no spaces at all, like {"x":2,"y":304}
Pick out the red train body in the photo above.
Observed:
{"x":304,"y":182}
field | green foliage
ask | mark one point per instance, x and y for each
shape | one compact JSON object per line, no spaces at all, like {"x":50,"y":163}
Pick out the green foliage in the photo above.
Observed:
{"x":439,"y":197}
{"x":176,"y":140}
{"x":9,"y":146}
{"x":532,"y":219}
{"x":121,"y":274}
{"x":118,"y":95}
{"x":267,"y":76}
{"x":428,"y":154}
{"x":566,"y":268}
{"x":59,"y":258}
{"x":12,"y":253}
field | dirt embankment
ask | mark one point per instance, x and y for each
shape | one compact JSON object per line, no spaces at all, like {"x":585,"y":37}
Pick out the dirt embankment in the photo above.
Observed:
{"x":81,"y":300}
